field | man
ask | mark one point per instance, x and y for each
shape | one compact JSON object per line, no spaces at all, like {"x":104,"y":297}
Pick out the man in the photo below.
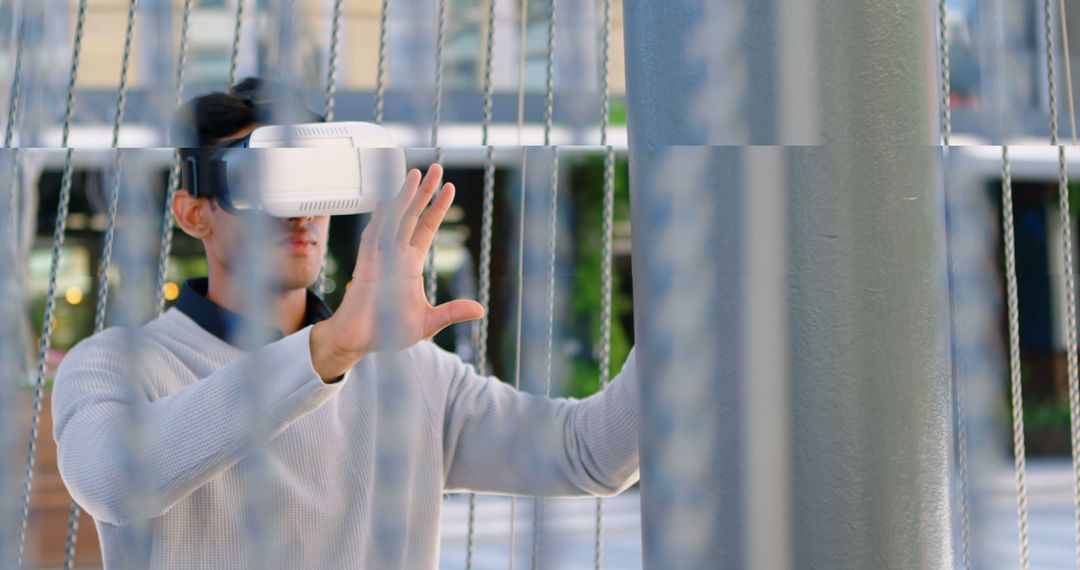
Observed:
{"x":361,"y":432}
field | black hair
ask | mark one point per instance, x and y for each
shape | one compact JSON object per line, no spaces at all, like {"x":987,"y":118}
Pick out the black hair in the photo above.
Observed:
{"x":199,"y":125}
{"x":203,"y":121}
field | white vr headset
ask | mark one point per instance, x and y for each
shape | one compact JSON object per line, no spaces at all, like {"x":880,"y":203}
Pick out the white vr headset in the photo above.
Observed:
{"x":310,"y":169}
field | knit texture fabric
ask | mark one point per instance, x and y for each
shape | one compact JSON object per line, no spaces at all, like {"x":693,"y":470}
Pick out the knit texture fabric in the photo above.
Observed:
{"x":191,"y":453}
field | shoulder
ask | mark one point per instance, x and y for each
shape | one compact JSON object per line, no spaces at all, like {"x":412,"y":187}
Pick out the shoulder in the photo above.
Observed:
{"x":112,"y":349}
{"x":100,"y":348}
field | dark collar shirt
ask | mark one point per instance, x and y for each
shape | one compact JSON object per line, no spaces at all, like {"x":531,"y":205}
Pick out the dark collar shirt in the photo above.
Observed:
{"x":227,"y":325}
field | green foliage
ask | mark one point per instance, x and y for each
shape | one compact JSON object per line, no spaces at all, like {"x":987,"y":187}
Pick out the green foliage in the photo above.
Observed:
{"x":587,"y":198}
{"x":618,"y":114}
{"x":1046,"y":415}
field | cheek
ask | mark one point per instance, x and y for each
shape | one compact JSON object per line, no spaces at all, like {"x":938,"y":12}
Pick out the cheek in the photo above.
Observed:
{"x":227,"y":241}
{"x":323,"y":225}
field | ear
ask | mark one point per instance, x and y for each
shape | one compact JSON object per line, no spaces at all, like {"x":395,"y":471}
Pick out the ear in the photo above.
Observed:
{"x":191,"y":214}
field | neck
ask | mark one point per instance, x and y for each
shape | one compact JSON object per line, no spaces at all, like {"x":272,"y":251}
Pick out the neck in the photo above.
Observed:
{"x":287,"y":306}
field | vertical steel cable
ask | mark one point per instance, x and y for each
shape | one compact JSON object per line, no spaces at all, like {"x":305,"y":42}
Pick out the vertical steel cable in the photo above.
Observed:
{"x":125,"y":62}
{"x":236,"y":41}
{"x":440,"y":41}
{"x":1051,"y":90}
{"x":943,"y":64}
{"x":1067,"y":253}
{"x":328,"y":111}
{"x":16,"y":81}
{"x":174,"y":174}
{"x":945,"y":90}
{"x":487,"y":223}
{"x":380,"y":72}
{"x":431,"y":278}
{"x":331,"y":69}
{"x":1070,"y":323}
{"x":107,"y":247}
{"x":1068,"y":66}
{"x":549,"y":113}
{"x":45,"y":342}
{"x":549,"y":91}
{"x":606,"y":261}
{"x":1008,"y":234}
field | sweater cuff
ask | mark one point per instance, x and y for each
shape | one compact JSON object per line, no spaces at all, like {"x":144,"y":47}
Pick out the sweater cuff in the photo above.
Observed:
{"x":290,"y":358}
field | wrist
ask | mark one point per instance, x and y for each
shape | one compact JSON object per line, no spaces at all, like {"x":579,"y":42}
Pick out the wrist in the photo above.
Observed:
{"x":328,"y":358}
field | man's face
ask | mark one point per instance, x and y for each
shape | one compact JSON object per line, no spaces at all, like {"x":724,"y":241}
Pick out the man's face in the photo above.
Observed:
{"x":293,"y":248}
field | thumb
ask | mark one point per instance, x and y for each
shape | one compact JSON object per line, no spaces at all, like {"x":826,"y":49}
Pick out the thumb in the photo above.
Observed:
{"x":449,"y":313}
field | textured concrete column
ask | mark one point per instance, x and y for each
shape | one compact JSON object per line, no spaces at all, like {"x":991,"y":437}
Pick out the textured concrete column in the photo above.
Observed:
{"x":790,"y":300}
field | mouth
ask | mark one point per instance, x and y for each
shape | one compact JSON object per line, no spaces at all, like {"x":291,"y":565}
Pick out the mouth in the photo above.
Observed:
{"x":299,"y":243}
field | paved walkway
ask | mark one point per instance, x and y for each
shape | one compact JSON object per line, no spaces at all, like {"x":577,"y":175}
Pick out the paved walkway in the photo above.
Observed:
{"x":568,"y":538}
{"x":1051,"y":517}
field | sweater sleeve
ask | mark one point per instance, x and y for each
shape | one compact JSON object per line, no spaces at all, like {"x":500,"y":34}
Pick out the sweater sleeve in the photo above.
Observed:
{"x":183,"y":439}
{"x":500,"y":440}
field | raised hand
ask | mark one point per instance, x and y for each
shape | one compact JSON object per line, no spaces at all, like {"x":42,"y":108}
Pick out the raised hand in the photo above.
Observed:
{"x":385,"y":307}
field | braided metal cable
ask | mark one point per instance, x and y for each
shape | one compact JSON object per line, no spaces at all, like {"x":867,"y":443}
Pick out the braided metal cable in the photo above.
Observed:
{"x":486,"y":231}
{"x":1068,"y":66}
{"x":174,"y":174}
{"x":76,"y":53}
{"x":110,"y":231}
{"x":945,"y":104}
{"x":331,"y":69}
{"x":960,"y":398}
{"x":380,"y":72}
{"x":482,"y":364}
{"x":489,"y":58}
{"x":608,"y":254}
{"x":13,"y":203}
{"x":1008,"y":235}
{"x":328,"y":109}
{"x":945,"y":83}
{"x":16,"y":82}
{"x":44,"y":345}
{"x":431,"y":277}
{"x":125,"y":62}
{"x":99,"y":325}
{"x":549,"y":101}
{"x":1051,"y":87}
{"x":1070,"y":323}
{"x":440,"y":41}
{"x":45,"y":342}
{"x":1070,"y":280}
{"x":234,"y":56}
{"x":181,"y":67}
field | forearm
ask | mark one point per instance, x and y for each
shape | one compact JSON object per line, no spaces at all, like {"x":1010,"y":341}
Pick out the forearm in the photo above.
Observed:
{"x":180,"y":441}
{"x":508,"y":442}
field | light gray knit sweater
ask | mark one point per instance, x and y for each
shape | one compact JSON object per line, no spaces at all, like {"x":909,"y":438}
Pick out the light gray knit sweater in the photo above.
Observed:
{"x":353,"y":472}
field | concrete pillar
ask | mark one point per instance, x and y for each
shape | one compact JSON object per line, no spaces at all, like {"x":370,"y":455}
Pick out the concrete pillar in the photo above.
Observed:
{"x":791,"y":304}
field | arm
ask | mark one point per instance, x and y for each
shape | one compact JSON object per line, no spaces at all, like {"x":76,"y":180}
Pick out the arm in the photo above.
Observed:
{"x":185,"y":438}
{"x":500,"y":440}
{"x":189,"y":437}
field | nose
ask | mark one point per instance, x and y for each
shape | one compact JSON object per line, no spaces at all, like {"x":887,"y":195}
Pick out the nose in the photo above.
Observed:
{"x":300,"y":221}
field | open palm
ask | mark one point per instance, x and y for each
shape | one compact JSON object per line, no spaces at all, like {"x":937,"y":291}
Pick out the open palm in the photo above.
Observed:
{"x":385,"y":307}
